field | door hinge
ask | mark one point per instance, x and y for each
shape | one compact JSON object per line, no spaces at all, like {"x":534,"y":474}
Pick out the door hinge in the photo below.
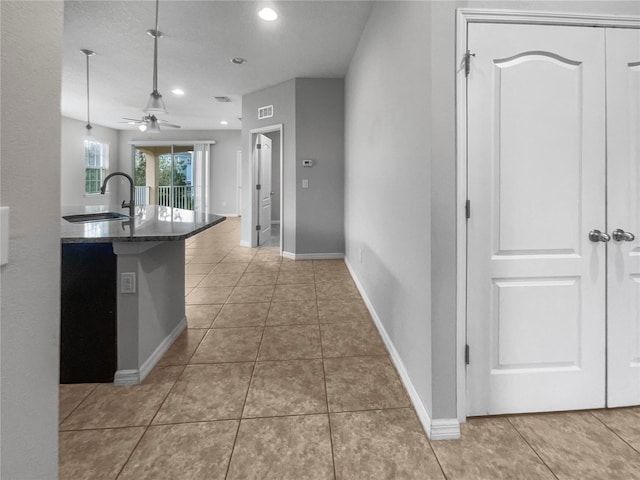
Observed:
{"x":466,"y":354}
{"x":258,"y":187}
{"x":258,"y":228}
{"x":467,"y":62}
{"x":467,"y":209}
{"x":258,"y":146}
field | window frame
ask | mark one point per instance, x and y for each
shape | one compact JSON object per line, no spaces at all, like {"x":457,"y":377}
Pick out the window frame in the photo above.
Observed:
{"x":96,"y":159}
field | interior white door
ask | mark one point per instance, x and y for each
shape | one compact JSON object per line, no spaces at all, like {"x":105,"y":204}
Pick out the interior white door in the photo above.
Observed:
{"x":263,"y":146}
{"x":623,"y":210}
{"x":536,"y":183}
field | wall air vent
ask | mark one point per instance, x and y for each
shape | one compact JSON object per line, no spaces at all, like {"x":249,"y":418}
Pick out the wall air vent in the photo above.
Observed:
{"x":265,"y":112}
{"x":222,"y":99}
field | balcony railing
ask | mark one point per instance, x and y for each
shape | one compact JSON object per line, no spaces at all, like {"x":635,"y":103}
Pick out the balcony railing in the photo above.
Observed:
{"x":142,"y":195}
{"x":182,"y":196}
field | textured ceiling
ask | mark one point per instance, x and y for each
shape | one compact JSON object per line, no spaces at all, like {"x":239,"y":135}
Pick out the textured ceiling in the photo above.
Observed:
{"x":309,"y":39}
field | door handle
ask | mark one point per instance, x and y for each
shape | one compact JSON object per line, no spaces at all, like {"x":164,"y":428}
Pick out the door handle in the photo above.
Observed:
{"x":620,"y":235}
{"x":598,"y":236}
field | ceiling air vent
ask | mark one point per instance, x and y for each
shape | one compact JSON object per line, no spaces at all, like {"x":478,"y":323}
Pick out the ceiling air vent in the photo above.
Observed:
{"x":265,"y":112}
{"x":223,"y":99}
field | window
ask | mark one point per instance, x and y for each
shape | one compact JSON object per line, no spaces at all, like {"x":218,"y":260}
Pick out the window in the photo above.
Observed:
{"x":96,"y":164}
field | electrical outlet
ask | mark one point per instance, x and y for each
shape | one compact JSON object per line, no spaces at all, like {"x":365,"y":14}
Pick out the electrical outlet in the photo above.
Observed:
{"x":128,"y":282}
{"x":305,"y":183}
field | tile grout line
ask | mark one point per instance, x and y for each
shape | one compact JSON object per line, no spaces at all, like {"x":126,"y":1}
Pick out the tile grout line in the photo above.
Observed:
{"x":324,"y":377}
{"x":531,"y":447}
{"x":613,"y":431}
{"x":435,"y":455}
{"x":246,"y":395}
{"x":124,"y":465}
{"x":60,"y":422}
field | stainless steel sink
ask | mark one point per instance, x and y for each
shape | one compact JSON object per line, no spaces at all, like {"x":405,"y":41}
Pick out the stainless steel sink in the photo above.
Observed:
{"x":95,"y":217}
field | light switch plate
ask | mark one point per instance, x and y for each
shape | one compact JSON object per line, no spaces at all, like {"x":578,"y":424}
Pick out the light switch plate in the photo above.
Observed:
{"x":4,"y":235}
{"x":128,"y":282}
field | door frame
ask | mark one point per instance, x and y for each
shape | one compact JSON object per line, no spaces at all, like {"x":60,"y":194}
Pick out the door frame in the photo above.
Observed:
{"x":465,"y":16}
{"x":279,"y":127}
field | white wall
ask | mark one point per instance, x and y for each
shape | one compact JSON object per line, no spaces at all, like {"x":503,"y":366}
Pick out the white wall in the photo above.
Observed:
{"x":72,"y":174}
{"x":387,"y":179}
{"x":222,"y":181}
{"x":31,"y":39}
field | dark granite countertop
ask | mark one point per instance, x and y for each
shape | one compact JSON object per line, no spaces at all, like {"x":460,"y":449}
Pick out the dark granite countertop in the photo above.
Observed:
{"x":153,"y":223}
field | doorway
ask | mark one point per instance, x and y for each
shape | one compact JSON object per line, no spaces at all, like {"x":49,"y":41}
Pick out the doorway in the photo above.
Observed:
{"x":172,"y":174}
{"x":551,"y":303}
{"x":267,"y":178}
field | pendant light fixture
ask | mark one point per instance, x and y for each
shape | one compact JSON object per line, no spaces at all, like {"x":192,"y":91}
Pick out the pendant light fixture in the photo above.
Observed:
{"x":155,"y":103}
{"x":88,"y":53}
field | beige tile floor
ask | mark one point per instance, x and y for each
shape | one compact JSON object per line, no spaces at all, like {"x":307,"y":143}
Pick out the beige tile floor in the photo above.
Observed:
{"x":282,"y":375}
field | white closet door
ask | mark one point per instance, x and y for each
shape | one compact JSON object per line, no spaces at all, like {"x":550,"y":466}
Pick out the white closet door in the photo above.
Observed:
{"x":536,"y":172}
{"x":623,"y":211}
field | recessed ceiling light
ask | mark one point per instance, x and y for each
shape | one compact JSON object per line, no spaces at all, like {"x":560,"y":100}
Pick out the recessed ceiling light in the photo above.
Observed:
{"x":177,"y":91}
{"x":268,"y":14}
{"x":224,"y":122}
{"x":238,"y":60}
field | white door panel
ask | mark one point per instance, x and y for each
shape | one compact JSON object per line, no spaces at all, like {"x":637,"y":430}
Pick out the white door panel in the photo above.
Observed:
{"x":623,"y":178}
{"x":263,"y":147}
{"x":536,"y":183}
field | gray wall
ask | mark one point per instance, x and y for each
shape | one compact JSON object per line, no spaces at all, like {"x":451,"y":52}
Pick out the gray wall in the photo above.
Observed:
{"x":72,"y":174}
{"x":312,"y":113}
{"x":282,"y":97}
{"x":275,"y":175}
{"x":31,"y":39}
{"x":387,"y":179}
{"x":223,"y":161}
{"x":320,"y":137}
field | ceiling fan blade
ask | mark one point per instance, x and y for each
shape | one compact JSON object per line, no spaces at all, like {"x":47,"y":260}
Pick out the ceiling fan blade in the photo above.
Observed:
{"x":128,"y":120}
{"x":167,"y":124}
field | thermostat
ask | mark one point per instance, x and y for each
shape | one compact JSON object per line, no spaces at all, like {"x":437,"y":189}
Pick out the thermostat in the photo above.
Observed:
{"x":307,"y":163}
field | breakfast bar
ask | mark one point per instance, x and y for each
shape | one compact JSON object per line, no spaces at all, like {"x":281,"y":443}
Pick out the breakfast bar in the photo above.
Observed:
{"x":123,"y":288}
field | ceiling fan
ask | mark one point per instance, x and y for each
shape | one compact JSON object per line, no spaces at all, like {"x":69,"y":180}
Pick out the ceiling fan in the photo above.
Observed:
{"x":149,"y":123}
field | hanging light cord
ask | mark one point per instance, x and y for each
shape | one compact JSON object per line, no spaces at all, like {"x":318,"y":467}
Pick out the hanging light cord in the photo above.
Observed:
{"x":88,"y":118}
{"x":155,"y":53}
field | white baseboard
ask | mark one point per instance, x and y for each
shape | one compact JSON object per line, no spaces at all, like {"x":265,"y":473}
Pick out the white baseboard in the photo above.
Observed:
{"x":313,"y":256}
{"x":437,"y":429}
{"x":227,"y":214}
{"x":445,"y":429}
{"x":244,"y":243}
{"x":135,"y":377}
{"x":126,"y":377}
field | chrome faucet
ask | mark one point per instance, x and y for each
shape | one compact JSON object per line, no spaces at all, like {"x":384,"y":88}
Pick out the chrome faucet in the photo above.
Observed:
{"x":131,"y":204}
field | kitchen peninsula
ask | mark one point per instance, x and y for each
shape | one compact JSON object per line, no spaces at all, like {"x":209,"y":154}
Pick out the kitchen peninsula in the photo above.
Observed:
{"x":123,"y":290}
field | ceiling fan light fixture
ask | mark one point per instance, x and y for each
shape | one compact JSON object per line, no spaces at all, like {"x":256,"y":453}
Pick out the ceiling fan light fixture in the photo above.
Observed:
{"x":155,"y":103}
{"x":153,"y":125}
{"x":142,"y":127}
